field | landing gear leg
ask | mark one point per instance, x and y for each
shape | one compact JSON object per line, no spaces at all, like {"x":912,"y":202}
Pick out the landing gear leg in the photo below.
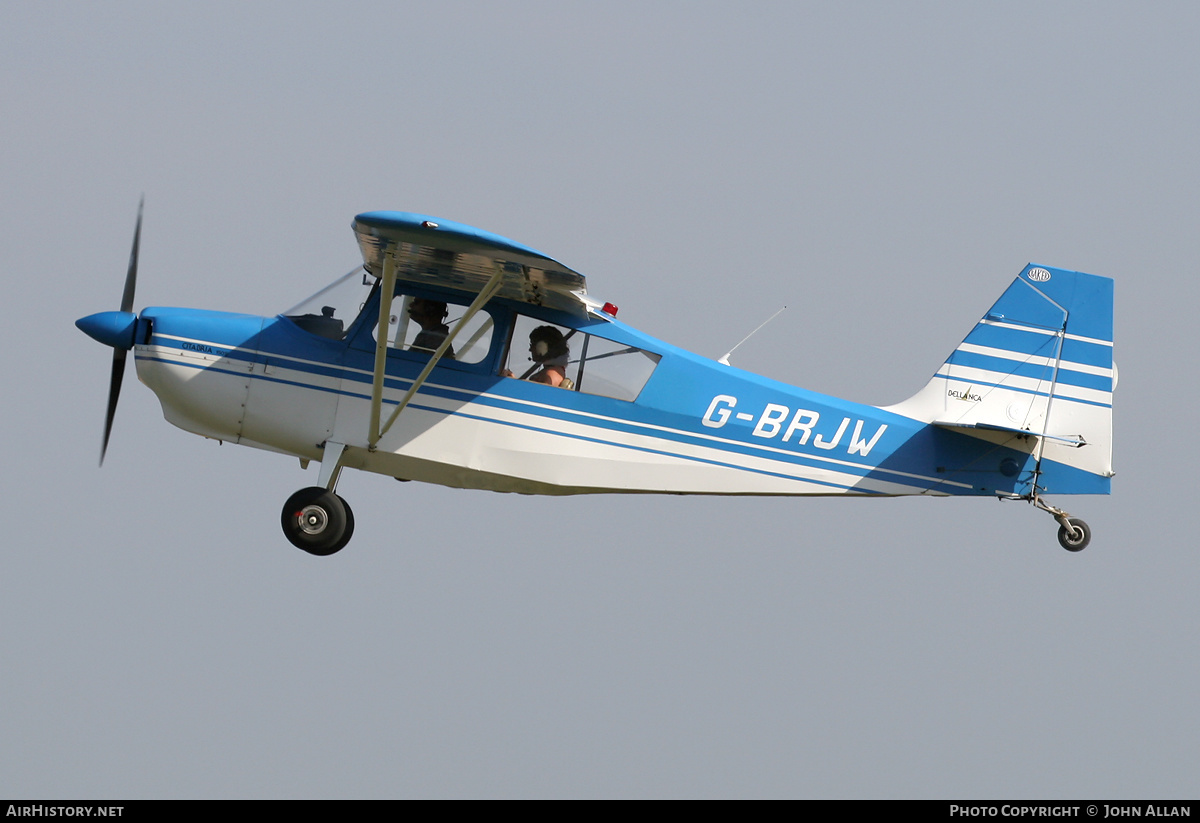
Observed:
{"x":317,"y":520}
{"x":1073,"y":534}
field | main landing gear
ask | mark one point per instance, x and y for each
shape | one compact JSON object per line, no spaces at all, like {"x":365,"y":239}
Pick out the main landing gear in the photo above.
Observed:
{"x":317,"y":521}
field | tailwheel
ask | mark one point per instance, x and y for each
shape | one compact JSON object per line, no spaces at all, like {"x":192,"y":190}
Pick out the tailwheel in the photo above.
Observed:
{"x":1073,"y":534}
{"x":1076,"y":538}
{"x":317,"y":520}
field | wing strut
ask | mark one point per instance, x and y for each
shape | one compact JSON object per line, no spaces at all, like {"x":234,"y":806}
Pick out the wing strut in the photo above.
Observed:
{"x":386,"y":290}
{"x":385,"y":302}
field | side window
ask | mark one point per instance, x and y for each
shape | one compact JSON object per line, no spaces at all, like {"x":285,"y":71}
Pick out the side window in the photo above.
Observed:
{"x":567,"y":358}
{"x":419,"y":325}
{"x":613,"y":369}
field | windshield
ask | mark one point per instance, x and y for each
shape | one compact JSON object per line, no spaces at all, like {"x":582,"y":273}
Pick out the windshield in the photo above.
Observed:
{"x":331,"y":311}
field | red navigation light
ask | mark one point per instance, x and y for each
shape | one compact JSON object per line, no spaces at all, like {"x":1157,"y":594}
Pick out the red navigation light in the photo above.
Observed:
{"x":609,"y":308}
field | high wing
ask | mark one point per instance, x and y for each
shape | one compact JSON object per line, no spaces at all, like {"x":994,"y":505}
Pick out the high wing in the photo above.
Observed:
{"x":415,"y":248}
{"x":432,"y":252}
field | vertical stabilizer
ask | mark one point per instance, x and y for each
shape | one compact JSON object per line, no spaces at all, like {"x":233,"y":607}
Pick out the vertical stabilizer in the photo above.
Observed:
{"x":1038,"y":365}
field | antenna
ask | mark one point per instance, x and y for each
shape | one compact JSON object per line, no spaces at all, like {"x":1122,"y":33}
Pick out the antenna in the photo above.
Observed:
{"x":724,"y":361}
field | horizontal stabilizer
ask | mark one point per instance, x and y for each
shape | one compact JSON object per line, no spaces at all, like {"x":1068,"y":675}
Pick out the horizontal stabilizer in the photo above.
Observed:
{"x":1075,"y":441}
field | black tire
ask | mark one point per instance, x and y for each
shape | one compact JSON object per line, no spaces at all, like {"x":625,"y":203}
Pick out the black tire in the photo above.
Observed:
{"x":315,"y":520}
{"x":1075,"y":542}
{"x":349,"y":532}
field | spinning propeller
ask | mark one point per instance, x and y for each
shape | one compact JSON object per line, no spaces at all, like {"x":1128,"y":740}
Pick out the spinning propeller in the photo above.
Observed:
{"x":116,"y":329}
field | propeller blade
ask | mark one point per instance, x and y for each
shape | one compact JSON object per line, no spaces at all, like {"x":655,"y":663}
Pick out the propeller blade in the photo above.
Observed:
{"x":114,"y":391}
{"x":118,"y":362}
{"x":131,"y":275}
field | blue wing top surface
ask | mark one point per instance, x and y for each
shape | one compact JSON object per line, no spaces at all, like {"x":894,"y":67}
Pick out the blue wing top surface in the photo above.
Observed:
{"x":435,"y":252}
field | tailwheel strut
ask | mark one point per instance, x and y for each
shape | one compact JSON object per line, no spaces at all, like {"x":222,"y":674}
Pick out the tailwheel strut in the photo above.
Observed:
{"x":1073,"y":533}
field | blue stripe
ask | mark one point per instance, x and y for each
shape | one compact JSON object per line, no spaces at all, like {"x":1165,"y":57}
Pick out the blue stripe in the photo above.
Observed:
{"x":664,"y":453}
{"x":222,"y":350}
{"x":1033,"y":370}
{"x":798,"y":459}
{"x":1026,"y":391}
{"x":1042,"y":345}
{"x":1014,"y":340}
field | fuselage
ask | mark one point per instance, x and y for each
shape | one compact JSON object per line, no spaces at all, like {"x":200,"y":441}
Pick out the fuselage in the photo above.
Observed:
{"x":694,"y":426}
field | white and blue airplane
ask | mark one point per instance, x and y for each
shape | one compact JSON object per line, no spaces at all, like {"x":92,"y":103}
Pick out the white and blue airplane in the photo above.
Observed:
{"x":414,"y":366}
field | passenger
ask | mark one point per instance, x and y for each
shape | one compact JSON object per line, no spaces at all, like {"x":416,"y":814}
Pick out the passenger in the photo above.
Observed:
{"x":550,"y":353}
{"x":430,"y":315}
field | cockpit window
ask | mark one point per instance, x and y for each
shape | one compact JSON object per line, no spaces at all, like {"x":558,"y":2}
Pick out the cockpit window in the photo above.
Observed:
{"x":420,"y":324}
{"x":579,"y":361}
{"x":613,"y":369}
{"x":331,"y":311}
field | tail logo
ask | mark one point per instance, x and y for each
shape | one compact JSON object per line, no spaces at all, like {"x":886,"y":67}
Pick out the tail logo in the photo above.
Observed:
{"x":1039,"y":275}
{"x":968,"y":395}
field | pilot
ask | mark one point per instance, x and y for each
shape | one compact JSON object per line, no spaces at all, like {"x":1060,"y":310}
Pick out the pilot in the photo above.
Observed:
{"x":429,"y":314}
{"x":550,"y":353}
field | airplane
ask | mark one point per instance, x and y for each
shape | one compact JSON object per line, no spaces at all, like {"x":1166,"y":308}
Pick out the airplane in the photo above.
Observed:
{"x":369,"y":374}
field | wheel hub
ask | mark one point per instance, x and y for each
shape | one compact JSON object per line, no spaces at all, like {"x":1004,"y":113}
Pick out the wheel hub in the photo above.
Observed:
{"x":312,"y":519}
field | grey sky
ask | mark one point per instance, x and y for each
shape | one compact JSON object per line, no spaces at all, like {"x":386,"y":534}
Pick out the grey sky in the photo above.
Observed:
{"x":883,"y":169}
